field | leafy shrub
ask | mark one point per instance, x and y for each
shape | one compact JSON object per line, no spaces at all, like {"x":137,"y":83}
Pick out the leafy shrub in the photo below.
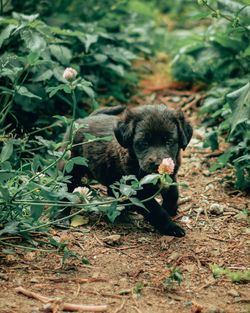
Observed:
{"x":38,"y":40}
{"x":220,"y":55}
{"x":35,"y":50}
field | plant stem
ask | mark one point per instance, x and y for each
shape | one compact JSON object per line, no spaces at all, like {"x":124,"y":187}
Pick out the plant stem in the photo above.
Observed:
{"x":68,"y":146}
{"x":24,"y":247}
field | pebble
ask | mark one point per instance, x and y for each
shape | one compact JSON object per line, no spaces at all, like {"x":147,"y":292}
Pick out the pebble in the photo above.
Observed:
{"x":209,"y":187}
{"x":233,"y":293}
{"x":206,"y":173}
{"x":216,"y":208}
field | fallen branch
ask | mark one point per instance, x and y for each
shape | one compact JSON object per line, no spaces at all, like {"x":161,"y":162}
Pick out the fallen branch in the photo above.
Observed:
{"x":65,"y":306}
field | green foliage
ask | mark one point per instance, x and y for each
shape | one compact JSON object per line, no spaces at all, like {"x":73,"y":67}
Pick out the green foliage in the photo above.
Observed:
{"x":234,"y":276}
{"x":138,"y":289}
{"x":36,"y":47}
{"x":175,"y":276}
{"x":37,"y":42}
{"x":219,"y":54}
{"x":231,"y":107}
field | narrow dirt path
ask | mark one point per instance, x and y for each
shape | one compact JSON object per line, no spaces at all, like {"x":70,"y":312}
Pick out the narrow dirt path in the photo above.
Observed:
{"x":130,"y":272}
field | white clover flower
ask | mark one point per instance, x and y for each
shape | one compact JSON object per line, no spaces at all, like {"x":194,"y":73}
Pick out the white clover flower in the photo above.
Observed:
{"x":69,"y":73}
{"x":166,"y":167}
{"x":84,"y":193}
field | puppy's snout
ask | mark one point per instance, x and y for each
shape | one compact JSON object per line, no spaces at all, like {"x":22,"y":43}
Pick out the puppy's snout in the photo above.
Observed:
{"x":153,"y":163}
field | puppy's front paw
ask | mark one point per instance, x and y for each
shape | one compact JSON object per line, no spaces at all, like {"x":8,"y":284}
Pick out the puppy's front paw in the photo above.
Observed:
{"x":172,"y":229}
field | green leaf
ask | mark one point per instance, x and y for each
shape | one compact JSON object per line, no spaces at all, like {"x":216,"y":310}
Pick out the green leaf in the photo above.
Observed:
{"x":100,"y":58}
{"x":5,"y":193}
{"x":32,"y":58}
{"x":6,"y":151}
{"x":34,"y":41}
{"x":79,"y":220}
{"x":150,"y":179}
{"x":24,"y":17}
{"x":137,"y":202}
{"x":89,"y":91}
{"x":23,"y":91}
{"x":240,"y":104}
{"x":221,"y":161}
{"x":61,"y":54}
{"x":127,"y":190}
{"x":11,"y":228}
{"x":36,"y":211}
{"x":112,"y":212}
{"x":118,"y":69}
{"x":88,"y":40}
{"x":5,"y":34}
{"x":77,"y":160}
{"x":43,"y":76}
{"x":53,"y":90}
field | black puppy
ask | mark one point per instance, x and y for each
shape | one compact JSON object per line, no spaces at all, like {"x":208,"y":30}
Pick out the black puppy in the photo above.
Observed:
{"x":142,"y":137}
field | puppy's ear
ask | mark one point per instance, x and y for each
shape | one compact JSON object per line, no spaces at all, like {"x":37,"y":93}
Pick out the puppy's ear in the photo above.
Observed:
{"x":124,"y":130}
{"x":184,"y":128}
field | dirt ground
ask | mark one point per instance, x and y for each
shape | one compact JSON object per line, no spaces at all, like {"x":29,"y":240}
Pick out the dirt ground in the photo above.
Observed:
{"x":130,"y":272}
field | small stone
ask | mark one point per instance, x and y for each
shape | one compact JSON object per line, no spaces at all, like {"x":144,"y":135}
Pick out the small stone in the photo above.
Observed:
{"x":112,"y":239}
{"x":233,"y":293}
{"x":206,"y":173}
{"x":185,"y":219}
{"x":216,"y":208}
{"x":209,"y":187}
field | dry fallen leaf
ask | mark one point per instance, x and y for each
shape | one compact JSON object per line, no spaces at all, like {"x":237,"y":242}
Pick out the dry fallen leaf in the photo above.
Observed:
{"x":79,"y":220}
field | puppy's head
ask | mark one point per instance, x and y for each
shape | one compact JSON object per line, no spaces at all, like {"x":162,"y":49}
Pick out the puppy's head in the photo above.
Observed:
{"x":152,"y":133}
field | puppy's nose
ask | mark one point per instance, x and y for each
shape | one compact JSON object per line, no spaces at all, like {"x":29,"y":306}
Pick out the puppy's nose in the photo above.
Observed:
{"x":153,"y":163}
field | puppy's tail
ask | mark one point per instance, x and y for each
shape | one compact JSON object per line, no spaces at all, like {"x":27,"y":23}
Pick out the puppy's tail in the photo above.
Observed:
{"x":116,"y":110}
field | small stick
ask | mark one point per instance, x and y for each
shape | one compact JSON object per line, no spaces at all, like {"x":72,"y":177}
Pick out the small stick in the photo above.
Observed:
{"x":65,"y":306}
{"x":137,"y":310}
{"x":184,"y":200}
{"x":98,"y":240}
{"x":120,"y":307}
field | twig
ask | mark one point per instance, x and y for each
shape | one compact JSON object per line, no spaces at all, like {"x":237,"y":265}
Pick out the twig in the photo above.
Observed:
{"x":65,"y":306}
{"x":184,"y":200}
{"x":208,"y":284}
{"x":98,"y":240}
{"x":120,"y":307}
{"x":77,"y":291}
{"x":243,"y":300}
{"x":127,"y":247}
{"x":137,"y":310}
{"x":216,"y":238}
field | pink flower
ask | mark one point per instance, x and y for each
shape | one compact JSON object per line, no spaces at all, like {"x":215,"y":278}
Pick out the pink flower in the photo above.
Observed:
{"x":166,"y":167}
{"x":69,"y":73}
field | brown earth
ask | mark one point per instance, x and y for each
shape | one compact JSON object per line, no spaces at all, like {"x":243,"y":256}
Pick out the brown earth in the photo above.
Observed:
{"x":130,"y":272}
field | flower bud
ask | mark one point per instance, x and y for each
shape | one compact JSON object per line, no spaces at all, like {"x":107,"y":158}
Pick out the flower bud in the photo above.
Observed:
{"x":69,"y":73}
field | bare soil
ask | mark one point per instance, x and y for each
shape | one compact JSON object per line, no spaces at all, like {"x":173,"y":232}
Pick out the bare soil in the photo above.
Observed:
{"x":130,"y":272}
